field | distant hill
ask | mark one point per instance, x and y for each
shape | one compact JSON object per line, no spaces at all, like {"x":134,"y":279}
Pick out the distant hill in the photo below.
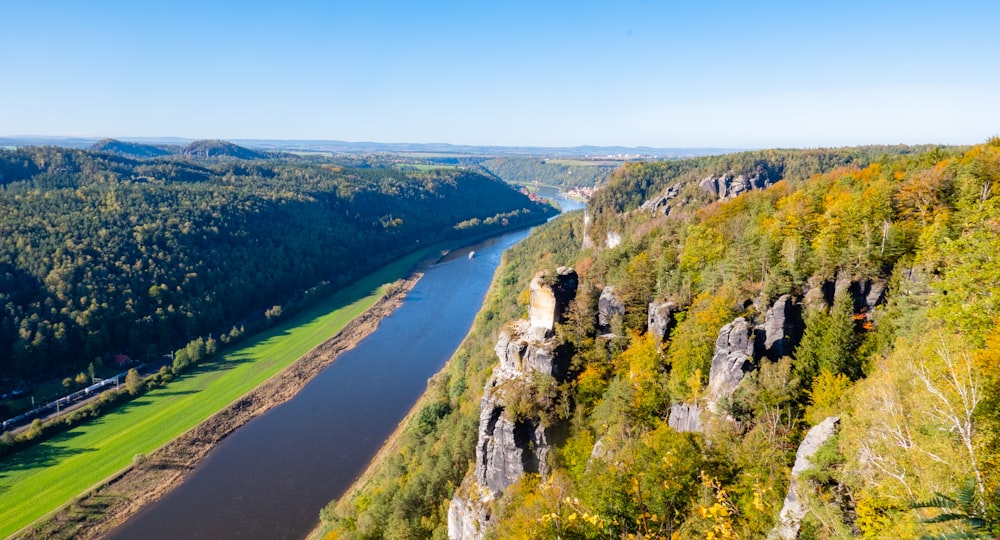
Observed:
{"x":344,"y":147}
{"x":216,"y":148}
{"x":134,"y":150}
{"x":456,"y":149}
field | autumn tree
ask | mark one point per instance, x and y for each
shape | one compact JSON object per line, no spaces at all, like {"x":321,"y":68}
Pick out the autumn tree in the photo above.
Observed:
{"x":133,"y":382}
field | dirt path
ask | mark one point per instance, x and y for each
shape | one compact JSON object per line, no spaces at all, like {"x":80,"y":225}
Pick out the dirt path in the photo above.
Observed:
{"x":110,"y":504}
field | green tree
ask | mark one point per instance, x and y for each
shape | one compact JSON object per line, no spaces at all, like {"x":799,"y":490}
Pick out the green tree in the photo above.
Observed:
{"x":133,"y":382}
{"x":829,"y":342}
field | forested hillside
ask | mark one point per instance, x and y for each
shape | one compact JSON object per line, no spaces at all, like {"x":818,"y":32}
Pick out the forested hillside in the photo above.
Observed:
{"x":853,"y":288}
{"x":102,"y":254}
{"x":565,"y":174}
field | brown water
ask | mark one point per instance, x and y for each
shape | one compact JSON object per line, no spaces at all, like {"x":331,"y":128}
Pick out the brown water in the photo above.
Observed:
{"x":271,"y":477}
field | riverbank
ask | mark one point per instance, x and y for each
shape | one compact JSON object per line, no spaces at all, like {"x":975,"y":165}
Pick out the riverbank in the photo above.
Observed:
{"x":148,"y":478}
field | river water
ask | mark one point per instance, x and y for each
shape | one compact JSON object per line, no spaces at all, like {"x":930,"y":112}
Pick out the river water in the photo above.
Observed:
{"x":271,"y":477}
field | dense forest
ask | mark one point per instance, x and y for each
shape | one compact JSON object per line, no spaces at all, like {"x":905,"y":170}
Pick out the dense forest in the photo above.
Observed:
{"x":102,"y":254}
{"x":889,"y":257}
{"x":565,"y":174}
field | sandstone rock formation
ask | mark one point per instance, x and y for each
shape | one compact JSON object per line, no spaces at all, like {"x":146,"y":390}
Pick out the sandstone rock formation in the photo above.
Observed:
{"x":782,"y":329}
{"x":792,"y":512}
{"x":728,"y":185}
{"x":509,"y":447}
{"x":866,"y":293}
{"x":685,"y":417}
{"x":612,"y":239}
{"x":550,"y":297}
{"x":731,"y":361}
{"x":661,"y":203}
{"x":608,"y":305}
{"x":588,"y":242}
{"x":660,"y":319}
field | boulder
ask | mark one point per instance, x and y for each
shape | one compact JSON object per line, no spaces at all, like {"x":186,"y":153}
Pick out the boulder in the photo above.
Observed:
{"x":660,"y":319}
{"x":608,"y":305}
{"x":731,"y":361}
{"x":792,"y":512}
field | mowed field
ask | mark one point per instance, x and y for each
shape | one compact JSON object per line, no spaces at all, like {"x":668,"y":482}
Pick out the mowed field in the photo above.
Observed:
{"x":41,"y":479}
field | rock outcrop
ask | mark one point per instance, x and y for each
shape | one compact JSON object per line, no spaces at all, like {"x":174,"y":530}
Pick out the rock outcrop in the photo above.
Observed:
{"x":731,"y":361}
{"x":728,"y":185}
{"x":660,"y":319}
{"x":550,"y":297}
{"x":468,"y":513}
{"x":685,"y":417}
{"x":792,"y":512}
{"x":510,"y":446}
{"x":608,"y":305}
{"x":661,"y":203}
{"x":588,"y":242}
{"x":612,"y":239}
{"x":866,"y":293}
{"x":782,"y":329}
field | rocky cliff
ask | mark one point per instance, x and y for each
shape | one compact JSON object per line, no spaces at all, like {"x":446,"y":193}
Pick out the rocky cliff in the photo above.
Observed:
{"x":608,"y":306}
{"x":660,"y":319}
{"x":514,"y":442}
{"x":727,"y":186}
{"x":782,"y":329}
{"x":733,"y":358}
{"x":793,"y":510}
{"x":739,"y":349}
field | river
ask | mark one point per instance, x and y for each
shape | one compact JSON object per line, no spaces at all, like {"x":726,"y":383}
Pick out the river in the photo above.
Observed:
{"x":271,"y":477}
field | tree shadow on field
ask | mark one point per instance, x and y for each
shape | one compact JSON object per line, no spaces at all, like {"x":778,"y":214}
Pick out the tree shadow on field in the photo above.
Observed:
{"x":42,"y":455}
{"x":166,"y":393}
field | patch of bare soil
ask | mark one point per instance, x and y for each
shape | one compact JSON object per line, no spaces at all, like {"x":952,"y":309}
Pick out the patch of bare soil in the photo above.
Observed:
{"x":110,"y":504}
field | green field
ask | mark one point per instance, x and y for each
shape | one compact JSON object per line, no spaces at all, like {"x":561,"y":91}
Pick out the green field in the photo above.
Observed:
{"x":41,"y":479}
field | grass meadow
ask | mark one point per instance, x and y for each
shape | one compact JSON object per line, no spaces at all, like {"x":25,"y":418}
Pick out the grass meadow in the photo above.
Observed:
{"x":41,"y":479}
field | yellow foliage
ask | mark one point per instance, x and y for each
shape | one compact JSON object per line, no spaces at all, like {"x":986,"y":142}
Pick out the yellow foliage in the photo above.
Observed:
{"x":826,"y":396}
{"x":872,"y":518}
{"x":524,"y":298}
{"x":694,"y":384}
{"x":702,"y":246}
{"x":717,"y":515}
{"x":693,"y":340}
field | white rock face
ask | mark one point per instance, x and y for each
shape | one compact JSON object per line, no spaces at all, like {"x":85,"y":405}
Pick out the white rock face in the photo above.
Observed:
{"x":613,"y":240}
{"x":792,"y":512}
{"x":549,"y":301}
{"x":588,"y":242}
{"x":541,"y":311}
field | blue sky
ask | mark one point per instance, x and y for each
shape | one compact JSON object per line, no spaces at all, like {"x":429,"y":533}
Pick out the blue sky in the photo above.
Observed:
{"x":654,"y":73}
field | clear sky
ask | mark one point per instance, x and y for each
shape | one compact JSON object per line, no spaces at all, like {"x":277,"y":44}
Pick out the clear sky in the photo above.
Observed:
{"x":654,"y":73}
